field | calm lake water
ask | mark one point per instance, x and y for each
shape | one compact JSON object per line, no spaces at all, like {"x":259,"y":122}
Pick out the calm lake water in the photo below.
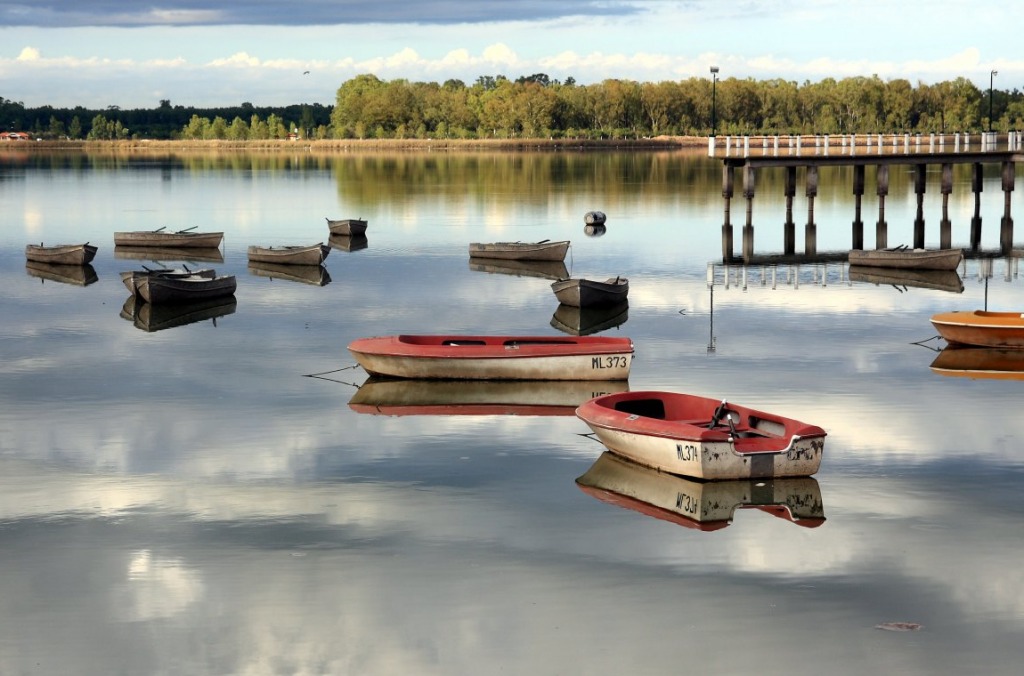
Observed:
{"x":189,"y":501}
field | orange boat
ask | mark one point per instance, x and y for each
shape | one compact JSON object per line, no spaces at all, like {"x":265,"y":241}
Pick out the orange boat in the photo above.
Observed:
{"x":989,"y":363}
{"x":981,"y":328}
{"x":701,"y":505}
{"x":702,"y":437}
{"x":456,"y":357}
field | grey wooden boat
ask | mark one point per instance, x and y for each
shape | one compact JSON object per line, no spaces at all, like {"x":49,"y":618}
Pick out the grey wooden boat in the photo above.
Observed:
{"x":906,"y":258}
{"x":162,"y":289}
{"x":61,"y":254}
{"x":130,"y":278}
{"x":159,"y":238}
{"x":347,"y":226}
{"x":314,"y":254}
{"x":545,"y":250}
{"x":580,"y":292}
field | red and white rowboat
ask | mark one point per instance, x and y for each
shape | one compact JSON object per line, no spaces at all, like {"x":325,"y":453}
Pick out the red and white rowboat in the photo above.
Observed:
{"x":458,"y":357}
{"x":702,"y":437}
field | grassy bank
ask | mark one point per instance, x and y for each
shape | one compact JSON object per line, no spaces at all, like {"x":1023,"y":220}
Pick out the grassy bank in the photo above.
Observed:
{"x":366,"y":145}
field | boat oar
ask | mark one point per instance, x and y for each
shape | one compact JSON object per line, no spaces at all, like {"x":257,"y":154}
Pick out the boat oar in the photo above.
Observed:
{"x":160,"y":228}
{"x":186,"y":230}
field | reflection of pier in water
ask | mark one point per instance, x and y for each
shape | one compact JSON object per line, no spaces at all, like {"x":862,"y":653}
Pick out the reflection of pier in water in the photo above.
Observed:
{"x":819,"y":271}
{"x":881,"y":151}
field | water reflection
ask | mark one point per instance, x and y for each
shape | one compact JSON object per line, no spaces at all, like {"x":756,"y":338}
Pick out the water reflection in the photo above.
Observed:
{"x":316,"y":275}
{"x":552,"y":270}
{"x":940,"y":280}
{"x":77,"y":275}
{"x":151,"y":317}
{"x":577,"y":321}
{"x":159,"y":254}
{"x":348,"y":242}
{"x":394,"y":397}
{"x":980,"y":362}
{"x":701,"y":505}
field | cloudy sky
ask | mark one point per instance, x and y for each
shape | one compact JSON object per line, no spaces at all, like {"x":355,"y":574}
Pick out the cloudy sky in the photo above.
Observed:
{"x":126,"y":53}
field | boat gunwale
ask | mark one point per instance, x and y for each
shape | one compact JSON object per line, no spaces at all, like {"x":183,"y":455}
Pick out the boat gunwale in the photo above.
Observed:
{"x":544,"y":346}
{"x":598,"y":414}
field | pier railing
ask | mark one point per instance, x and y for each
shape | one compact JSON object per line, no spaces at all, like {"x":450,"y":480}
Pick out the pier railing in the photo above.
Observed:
{"x":811,"y":145}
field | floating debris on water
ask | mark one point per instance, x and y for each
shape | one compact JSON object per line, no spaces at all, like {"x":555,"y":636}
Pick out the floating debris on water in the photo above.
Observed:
{"x":898,"y":626}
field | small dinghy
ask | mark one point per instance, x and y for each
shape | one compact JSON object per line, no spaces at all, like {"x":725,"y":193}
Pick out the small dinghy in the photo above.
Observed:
{"x":701,"y":437}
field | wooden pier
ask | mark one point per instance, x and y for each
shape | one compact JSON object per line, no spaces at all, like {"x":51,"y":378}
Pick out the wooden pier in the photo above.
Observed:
{"x":748,"y":154}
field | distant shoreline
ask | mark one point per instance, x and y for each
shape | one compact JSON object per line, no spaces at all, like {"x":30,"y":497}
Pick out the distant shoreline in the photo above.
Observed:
{"x":371,"y":145}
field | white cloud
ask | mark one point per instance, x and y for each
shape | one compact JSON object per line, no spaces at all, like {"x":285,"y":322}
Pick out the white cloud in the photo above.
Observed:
{"x":29,"y":54}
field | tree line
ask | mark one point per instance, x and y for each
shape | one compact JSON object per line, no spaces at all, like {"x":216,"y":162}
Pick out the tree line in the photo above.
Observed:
{"x":537,"y":106}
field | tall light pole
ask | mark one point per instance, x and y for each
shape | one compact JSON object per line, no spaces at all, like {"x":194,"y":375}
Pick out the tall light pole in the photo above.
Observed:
{"x":714,"y":81}
{"x":991,"y":80}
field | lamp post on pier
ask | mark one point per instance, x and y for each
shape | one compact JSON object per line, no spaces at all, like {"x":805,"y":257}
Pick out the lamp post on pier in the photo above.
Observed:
{"x":714,"y":81}
{"x":991,"y":80}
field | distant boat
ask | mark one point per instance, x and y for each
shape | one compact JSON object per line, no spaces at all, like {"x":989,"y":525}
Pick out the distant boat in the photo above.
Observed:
{"x":150,"y":318}
{"x":545,"y":250}
{"x":594,"y":218}
{"x":179,"y":239}
{"x":544,"y":269}
{"x":315,"y":275}
{"x":939,"y":280}
{"x":458,"y":357}
{"x":404,"y":396}
{"x":981,"y":328}
{"x":903,"y":257}
{"x":700,"y":505}
{"x":348,"y":242}
{"x":701,"y":437}
{"x":61,"y":254}
{"x":347,"y":226}
{"x":159,"y":289}
{"x":130,"y":278}
{"x":313,"y":254}
{"x":77,"y":275}
{"x":987,"y":363}
{"x":156,"y":253}
{"x":579,"y":292}
{"x":577,"y":321}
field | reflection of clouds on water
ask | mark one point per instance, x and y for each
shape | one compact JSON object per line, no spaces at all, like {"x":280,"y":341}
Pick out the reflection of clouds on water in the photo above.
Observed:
{"x":378,"y":576}
{"x":156,"y":587}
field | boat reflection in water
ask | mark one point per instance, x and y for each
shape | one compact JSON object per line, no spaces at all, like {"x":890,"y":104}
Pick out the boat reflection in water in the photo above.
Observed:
{"x":940,"y":280}
{"x":552,"y":270}
{"x":401,"y":396}
{"x":989,"y":363}
{"x":78,"y":275}
{"x":348,"y":242}
{"x":316,"y":275}
{"x":151,"y":317}
{"x":701,"y":505}
{"x":154,"y":253}
{"x":584,"y":321}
